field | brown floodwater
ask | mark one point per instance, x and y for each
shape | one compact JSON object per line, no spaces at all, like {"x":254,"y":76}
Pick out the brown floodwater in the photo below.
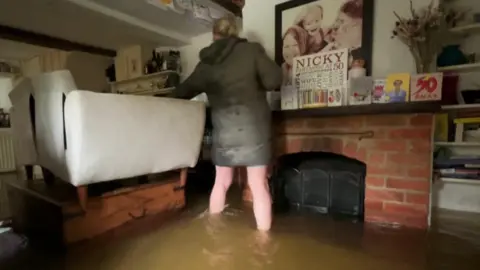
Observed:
{"x":195,"y":240}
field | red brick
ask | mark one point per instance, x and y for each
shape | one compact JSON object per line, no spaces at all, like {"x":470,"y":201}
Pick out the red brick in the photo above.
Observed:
{"x":292,"y":124}
{"x":348,"y":122}
{"x":335,"y":145}
{"x":408,"y":159}
{"x":379,"y":133}
{"x":420,"y":146}
{"x":374,"y":169}
{"x":316,"y":123}
{"x":389,"y":145}
{"x":335,"y":123}
{"x":410,"y":133}
{"x":384,"y":195}
{"x":420,"y":172}
{"x":419,"y":222}
{"x":418,"y":198}
{"x":405,"y":209}
{"x":386,"y":120}
{"x":374,"y":181}
{"x":361,"y":154}
{"x":350,"y":149}
{"x":405,"y":184}
{"x":422,"y":120}
{"x":293,"y":145}
{"x":377,"y":158}
{"x":373,"y":205}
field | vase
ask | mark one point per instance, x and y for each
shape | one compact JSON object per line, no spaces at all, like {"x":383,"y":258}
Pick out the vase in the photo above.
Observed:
{"x":422,"y":65}
{"x":423,"y":61}
{"x":451,"y":56}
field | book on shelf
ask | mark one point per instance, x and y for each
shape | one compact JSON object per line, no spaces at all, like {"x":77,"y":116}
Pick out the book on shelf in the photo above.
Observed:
{"x":455,"y":162}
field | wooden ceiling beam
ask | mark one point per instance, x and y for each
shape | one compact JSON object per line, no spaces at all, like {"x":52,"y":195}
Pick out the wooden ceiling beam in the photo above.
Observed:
{"x":230,"y":6}
{"x":24,"y":36}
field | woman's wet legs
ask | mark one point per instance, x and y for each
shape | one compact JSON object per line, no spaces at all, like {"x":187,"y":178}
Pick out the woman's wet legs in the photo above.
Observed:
{"x":262,"y":202}
{"x":223,"y":180}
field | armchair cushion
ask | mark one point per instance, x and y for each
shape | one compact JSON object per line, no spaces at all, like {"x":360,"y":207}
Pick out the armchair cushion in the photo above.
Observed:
{"x":111,"y":136}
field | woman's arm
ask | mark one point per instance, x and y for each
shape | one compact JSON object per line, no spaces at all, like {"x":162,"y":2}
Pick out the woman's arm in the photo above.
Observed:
{"x":269,"y":72}
{"x":194,"y":85}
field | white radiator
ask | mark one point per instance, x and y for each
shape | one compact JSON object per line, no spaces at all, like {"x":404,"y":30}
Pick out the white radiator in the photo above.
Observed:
{"x":7,"y":155}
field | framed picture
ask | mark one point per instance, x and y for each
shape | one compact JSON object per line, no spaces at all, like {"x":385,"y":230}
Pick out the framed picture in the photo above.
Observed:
{"x":304,"y":27}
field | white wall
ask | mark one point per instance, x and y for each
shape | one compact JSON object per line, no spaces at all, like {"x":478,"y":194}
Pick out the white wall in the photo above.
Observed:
{"x":389,"y":55}
{"x":189,"y":54}
{"x":88,"y":70}
{"x":5,"y":88}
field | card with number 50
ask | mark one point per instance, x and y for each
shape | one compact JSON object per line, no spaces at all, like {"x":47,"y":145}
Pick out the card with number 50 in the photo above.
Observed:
{"x":426,"y":87}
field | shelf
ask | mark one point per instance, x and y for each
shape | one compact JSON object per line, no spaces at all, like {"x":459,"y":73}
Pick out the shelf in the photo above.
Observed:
{"x":8,"y":75}
{"x":154,"y":22}
{"x":387,"y":108}
{"x":459,"y":181}
{"x":459,"y":107}
{"x":466,"y":28}
{"x":228,"y":5}
{"x":458,"y":144}
{"x":465,"y":67}
{"x":163,"y":91}
{"x":144,"y":77}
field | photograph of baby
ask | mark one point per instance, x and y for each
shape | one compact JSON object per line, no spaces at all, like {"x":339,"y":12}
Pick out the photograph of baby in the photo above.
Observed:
{"x":309,"y":27}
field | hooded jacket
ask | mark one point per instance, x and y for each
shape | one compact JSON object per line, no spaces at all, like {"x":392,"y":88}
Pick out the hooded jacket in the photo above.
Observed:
{"x":235,"y":74}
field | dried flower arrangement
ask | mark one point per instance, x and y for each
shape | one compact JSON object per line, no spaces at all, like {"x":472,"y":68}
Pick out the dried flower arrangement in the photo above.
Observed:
{"x":425,"y":32}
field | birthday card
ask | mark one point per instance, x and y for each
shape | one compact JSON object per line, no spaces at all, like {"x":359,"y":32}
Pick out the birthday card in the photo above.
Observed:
{"x":397,"y":88}
{"x":426,"y":87}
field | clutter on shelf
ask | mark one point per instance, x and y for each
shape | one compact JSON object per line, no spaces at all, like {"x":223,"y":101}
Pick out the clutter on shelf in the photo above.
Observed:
{"x":319,"y":84}
{"x":425,"y":32}
{"x":4,"y":119}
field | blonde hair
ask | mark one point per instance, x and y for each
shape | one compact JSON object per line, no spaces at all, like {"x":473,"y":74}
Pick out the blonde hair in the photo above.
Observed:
{"x":225,"y":26}
{"x":300,"y":19}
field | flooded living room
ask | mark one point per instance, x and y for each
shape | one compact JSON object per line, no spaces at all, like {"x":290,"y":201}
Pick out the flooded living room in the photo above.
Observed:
{"x":116,"y":134}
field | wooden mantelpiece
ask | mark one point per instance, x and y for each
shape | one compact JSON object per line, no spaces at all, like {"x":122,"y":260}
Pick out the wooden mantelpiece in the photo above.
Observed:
{"x":371,"y":109}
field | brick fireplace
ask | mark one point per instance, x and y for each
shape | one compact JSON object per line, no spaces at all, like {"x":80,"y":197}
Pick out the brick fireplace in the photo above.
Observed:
{"x":395,"y":148}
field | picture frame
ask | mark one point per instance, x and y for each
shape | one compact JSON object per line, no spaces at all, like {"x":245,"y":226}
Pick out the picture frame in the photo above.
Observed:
{"x":304,"y":27}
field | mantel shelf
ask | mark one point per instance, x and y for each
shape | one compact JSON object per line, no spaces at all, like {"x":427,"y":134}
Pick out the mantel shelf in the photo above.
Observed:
{"x":370,"y":109}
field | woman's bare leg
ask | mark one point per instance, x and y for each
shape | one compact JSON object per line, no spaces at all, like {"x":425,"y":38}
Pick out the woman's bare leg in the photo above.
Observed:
{"x":262,"y":202}
{"x":223,"y":180}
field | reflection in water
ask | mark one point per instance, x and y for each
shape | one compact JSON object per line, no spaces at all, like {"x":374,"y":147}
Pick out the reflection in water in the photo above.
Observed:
{"x":199,"y":241}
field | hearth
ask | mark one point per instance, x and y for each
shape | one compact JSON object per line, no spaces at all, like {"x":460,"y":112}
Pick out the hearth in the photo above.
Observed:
{"x":321,"y":182}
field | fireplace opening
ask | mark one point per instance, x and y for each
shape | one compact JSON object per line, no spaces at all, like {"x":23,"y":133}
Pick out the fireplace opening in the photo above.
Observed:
{"x":319,"y":182}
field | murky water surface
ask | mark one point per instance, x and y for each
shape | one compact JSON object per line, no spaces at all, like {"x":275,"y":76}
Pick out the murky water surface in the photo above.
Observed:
{"x":198,"y":241}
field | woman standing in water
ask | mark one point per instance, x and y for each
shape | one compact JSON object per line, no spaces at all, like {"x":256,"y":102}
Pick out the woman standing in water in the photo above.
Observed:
{"x":235,"y":74}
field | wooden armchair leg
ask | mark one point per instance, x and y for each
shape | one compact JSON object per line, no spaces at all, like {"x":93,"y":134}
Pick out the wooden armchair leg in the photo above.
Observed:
{"x":183,"y":179}
{"x":48,"y":177}
{"x":82,"y":193}
{"x":29,"y":172}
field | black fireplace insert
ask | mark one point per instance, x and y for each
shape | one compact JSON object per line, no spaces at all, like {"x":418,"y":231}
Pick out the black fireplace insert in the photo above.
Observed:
{"x":319,"y":182}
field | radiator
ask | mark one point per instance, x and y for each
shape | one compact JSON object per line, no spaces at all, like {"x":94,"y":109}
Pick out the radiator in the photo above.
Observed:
{"x":7,"y":155}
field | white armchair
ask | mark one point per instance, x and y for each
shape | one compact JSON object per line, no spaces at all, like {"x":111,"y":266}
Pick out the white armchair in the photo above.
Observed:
{"x":23,"y":124}
{"x":51,"y":90}
{"x":84,"y":137}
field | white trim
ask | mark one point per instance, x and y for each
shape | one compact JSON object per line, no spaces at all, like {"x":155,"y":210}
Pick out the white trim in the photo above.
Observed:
{"x":460,"y":181}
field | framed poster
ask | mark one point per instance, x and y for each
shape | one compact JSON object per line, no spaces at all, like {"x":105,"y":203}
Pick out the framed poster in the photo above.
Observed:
{"x":304,"y":27}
